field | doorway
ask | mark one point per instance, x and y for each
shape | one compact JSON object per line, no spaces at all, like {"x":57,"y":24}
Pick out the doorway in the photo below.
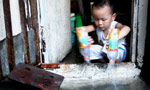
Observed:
{"x":83,"y":8}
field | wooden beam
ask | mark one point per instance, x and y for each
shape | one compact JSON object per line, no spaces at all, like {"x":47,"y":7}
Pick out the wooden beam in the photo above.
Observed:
{"x":9,"y":36}
{"x":141,"y":32}
{"x":134,"y":30}
{"x":35,"y":27}
{"x":24,"y":31}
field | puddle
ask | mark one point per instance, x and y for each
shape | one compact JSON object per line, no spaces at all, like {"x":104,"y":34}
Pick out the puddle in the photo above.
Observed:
{"x":124,"y":76}
{"x":92,"y":77}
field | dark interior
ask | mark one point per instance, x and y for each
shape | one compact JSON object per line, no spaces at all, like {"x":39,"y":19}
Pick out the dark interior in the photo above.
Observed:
{"x":123,"y":10}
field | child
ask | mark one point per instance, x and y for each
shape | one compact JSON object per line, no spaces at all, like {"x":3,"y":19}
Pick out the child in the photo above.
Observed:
{"x":104,"y":17}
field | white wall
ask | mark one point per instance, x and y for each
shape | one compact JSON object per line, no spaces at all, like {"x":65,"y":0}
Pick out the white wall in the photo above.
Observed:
{"x":2,"y":25}
{"x":55,"y":18}
{"x":15,"y":19}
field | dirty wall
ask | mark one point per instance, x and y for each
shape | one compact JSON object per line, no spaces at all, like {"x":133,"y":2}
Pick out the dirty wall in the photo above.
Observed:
{"x":138,"y":30}
{"x":26,"y":24}
{"x":55,"y":19}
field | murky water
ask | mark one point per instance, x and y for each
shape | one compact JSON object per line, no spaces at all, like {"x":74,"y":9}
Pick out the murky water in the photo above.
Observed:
{"x":85,"y":77}
{"x":137,"y":84}
{"x":121,"y":77}
{"x":93,"y":85}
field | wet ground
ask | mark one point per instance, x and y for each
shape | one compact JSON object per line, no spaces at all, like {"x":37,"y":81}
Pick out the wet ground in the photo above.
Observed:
{"x":136,"y":83}
{"x":142,"y":82}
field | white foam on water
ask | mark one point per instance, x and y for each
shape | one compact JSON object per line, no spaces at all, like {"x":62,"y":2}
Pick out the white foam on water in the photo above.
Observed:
{"x":82,"y":74}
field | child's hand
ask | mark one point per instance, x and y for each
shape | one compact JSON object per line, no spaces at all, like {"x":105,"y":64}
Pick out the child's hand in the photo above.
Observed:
{"x":91,"y":41}
{"x":107,"y":44}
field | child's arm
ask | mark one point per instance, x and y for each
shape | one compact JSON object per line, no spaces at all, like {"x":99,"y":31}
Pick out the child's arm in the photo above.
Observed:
{"x":124,"y":30}
{"x":90,"y":28}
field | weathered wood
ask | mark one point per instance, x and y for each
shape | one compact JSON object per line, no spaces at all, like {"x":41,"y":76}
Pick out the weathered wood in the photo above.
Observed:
{"x":131,"y":35}
{"x":24,"y":31}
{"x":36,"y":77}
{"x":134,"y":31}
{"x":57,"y":29}
{"x":9,"y":37}
{"x":35,"y":27}
{"x":142,"y":27}
{"x":138,"y":31}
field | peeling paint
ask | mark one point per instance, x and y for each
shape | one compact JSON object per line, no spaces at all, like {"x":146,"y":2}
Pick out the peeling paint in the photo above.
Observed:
{"x":57,"y":29}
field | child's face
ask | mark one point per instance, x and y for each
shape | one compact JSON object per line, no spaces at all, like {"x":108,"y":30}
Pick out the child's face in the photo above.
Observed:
{"x":103,"y":17}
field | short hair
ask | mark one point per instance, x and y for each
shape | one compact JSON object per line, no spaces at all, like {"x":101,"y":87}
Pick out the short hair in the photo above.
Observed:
{"x":102,"y":3}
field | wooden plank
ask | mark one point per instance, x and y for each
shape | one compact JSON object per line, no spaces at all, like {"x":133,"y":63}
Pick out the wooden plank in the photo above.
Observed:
{"x":131,"y":35}
{"x":35,"y":27}
{"x":36,"y":77}
{"x":9,"y":37}
{"x":24,"y":30}
{"x":142,"y":27}
{"x":134,"y":31}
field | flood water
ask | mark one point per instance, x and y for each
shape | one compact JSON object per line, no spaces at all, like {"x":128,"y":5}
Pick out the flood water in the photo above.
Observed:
{"x":137,"y":85}
{"x":141,"y":83}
